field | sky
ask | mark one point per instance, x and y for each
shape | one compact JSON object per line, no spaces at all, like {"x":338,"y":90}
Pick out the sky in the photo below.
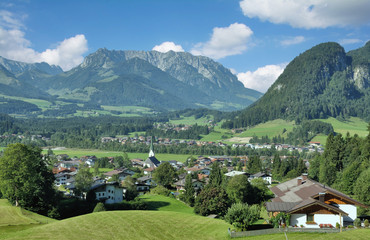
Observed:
{"x":255,"y":39}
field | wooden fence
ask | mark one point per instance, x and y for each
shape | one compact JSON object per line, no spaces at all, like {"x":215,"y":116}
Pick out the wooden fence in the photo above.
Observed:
{"x":234,"y":234}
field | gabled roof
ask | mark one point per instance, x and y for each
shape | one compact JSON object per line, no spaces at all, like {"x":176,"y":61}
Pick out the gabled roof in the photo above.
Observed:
{"x":152,"y":160}
{"x":311,"y":202}
{"x":291,"y":191}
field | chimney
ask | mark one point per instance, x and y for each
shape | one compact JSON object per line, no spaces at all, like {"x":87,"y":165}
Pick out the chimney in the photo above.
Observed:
{"x":322,"y":197}
{"x":299,"y":181}
{"x":304,"y":176}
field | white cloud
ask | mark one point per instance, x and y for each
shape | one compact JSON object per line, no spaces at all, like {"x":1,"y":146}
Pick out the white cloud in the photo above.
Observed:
{"x":349,"y":41}
{"x":15,"y":46}
{"x":168,"y":46}
{"x":292,"y":41}
{"x":7,"y":19}
{"x":262,"y":78}
{"x":309,"y":13}
{"x":227,"y":41}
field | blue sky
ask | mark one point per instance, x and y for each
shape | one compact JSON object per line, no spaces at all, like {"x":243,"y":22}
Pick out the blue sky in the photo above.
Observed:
{"x":254,"y":38}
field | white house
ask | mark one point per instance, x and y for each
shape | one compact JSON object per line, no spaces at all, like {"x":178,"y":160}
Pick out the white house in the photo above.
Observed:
{"x":312,"y":204}
{"x":265,"y":177}
{"x":109,"y":192}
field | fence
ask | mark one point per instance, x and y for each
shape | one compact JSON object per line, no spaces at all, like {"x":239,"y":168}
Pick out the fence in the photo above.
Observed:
{"x":281,"y":230}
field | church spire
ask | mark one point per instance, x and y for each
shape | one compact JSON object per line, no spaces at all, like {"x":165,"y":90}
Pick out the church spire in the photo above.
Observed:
{"x":151,"y":150}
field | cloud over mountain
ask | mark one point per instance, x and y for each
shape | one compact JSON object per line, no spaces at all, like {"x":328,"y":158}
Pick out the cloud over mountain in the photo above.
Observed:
{"x":227,"y":41}
{"x":14,"y":45}
{"x":309,"y":13}
{"x":262,"y":78}
{"x":168,"y":46}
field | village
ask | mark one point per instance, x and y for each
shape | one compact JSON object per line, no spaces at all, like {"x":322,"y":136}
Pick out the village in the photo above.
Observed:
{"x":309,"y":203}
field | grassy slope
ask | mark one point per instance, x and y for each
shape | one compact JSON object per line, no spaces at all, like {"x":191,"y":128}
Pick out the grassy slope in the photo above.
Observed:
{"x":161,"y":203}
{"x":14,"y":219}
{"x":271,"y":129}
{"x":129,"y":225}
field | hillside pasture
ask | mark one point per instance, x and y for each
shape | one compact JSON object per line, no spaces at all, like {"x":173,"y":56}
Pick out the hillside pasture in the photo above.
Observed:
{"x":270,"y":128}
{"x":74,"y":152}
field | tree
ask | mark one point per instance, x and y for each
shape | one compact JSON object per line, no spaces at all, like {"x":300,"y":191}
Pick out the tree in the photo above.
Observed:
{"x":25,"y":179}
{"x":99,"y":207}
{"x":212,"y":200}
{"x":362,"y":187}
{"x":254,"y":165}
{"x":131,"y":191}
{"x":189,"y":190}
{"x":240,"y":190}
{"x":84,"y":179}
{"x":164,"y":174}
{"x":216,"y":176}
{"x":241,"y":215}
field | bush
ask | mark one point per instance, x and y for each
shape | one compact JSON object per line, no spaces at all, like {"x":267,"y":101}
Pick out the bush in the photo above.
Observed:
{"x":241,"y":215}
{"x":357,"y":223}
{"x":275,"y":221}
{"x":99,"y":207}
{"x":127,"y":205}
{"x":160,"y":190}
{"x":350,"y":226}
{"x":337,"y":225}
{"x":366,"y":223}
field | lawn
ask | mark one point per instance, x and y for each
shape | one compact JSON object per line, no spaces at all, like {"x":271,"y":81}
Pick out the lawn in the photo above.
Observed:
{"x":73,"y":152}
{"x":162,"y":203}
{"x":129,"y":225}
{"x":15,"y":219}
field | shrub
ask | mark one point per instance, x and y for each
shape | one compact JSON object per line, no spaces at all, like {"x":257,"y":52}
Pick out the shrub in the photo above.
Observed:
{"x":357,"y":223}
{"x":366,"y":223}
{"x":160,"y":190}
{"x":350,"y":226}
{"x":99,"y":207}
{"x":241,"y":215}
{"x":275,"y":221}
{"x":337,"y":225}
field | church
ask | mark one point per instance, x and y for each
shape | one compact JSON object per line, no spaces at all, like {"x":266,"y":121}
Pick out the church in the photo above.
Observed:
{"x":151,"y":161}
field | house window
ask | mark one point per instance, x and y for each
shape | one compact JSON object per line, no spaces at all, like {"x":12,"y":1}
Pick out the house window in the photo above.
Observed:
{"x":310,"y":218}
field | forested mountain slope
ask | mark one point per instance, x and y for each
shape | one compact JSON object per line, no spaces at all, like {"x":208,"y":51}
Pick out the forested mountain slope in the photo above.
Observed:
{"x":324,"y":81}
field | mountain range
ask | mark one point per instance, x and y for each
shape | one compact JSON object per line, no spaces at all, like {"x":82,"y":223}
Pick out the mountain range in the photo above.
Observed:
{"x":322,"y":82}
{"x":163,"y":81}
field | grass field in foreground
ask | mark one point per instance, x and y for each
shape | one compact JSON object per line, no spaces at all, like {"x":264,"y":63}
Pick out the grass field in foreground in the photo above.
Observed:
{"x":154,"y":225}
{"x":73,"y":152}
{"x":162,"y":203}
{"x":129,"y":225}
{"x":14,"y":219}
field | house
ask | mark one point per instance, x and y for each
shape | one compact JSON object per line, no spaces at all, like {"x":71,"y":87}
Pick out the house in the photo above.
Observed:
{"x":265,"y":177}
{"x":109,"y":192}
{"x":197,"y":185}
{"x":121,"y":172}
{"x":235,"y":173}
{"x":147,"y":180}
{"x":311,"y":203}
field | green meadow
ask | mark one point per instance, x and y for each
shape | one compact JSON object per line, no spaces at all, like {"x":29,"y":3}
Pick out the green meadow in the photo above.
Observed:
{"x":162,"y":203}
{"x":72,"y":152}
{"x":270,"y":128}
{"x":167,"y":218}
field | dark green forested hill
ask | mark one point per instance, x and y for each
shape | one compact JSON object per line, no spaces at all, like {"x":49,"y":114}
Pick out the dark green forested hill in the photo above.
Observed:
{"x":324,"y":81}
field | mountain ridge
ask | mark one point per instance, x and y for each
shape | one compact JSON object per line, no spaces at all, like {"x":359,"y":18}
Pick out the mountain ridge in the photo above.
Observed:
{"x":322,"y":82}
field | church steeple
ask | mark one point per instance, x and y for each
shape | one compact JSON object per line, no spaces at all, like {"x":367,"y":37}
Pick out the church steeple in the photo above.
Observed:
{"x":151,"y":150}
